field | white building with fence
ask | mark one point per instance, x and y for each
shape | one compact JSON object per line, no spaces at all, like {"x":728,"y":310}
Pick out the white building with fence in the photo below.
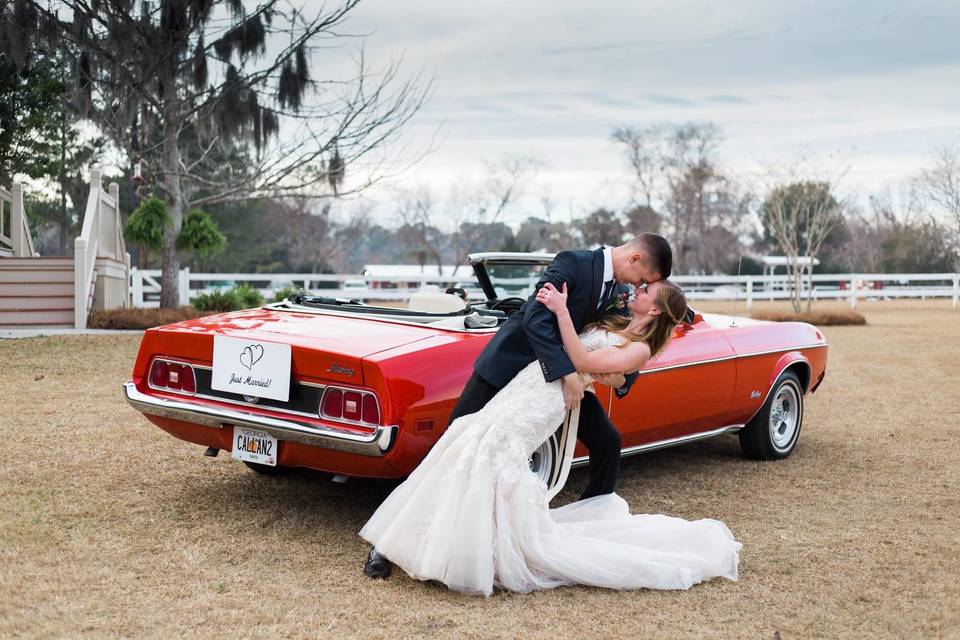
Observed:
{"x":60,"y":291}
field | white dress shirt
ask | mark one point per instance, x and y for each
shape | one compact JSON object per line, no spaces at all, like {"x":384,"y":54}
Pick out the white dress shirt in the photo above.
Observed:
{"x":607,"y":272}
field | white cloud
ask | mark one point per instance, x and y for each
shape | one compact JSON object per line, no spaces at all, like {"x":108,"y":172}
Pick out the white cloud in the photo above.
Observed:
{"x":875,"y":79}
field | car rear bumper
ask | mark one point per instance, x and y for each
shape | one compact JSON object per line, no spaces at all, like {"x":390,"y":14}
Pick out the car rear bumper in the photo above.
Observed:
{"x":374,"y":444}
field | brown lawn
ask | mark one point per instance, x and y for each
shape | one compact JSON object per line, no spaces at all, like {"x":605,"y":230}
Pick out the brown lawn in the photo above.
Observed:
{"x":111,"y":528}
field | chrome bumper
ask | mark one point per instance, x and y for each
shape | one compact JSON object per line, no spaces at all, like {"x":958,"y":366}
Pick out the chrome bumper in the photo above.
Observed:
{"x":373,"y":444}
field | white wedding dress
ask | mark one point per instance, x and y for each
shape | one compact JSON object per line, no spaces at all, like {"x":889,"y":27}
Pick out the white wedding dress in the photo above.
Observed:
{"x":474,"y":516}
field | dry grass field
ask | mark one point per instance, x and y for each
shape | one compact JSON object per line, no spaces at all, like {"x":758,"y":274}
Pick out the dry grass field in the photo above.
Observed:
{"x":111,"y":528}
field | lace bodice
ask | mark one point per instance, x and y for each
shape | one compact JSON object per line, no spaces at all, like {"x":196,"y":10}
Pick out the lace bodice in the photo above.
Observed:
{"x":596,"y":338}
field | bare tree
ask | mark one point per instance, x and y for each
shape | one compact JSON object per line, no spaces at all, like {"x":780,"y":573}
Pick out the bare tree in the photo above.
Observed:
{"x":644,"y":151}
{"x":418,"y":231}
{"x":466,"y":213}
{"x":601,"y":226}
{"x":675,"y":169}
{"x":204,"y":87}
{"x":801,"y":209}
{"x":474,"y":204}
{"x":642,"y":218}
{"x":941,"y":183}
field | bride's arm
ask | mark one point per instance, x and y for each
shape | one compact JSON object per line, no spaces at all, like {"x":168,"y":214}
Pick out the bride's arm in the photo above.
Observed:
{"x":604,"y":360}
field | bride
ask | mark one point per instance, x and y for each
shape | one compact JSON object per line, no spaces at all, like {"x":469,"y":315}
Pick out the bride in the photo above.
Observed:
{"x":474,"y":516}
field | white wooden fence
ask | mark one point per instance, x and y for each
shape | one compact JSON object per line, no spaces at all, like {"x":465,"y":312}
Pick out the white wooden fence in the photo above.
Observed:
{"x":145,"y":286}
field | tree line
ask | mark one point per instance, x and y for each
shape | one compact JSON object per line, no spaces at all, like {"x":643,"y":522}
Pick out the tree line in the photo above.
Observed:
{"x":236,"y":152}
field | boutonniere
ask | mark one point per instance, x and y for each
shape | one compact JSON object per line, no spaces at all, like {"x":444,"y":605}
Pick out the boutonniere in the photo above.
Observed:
{"x":619,"y":302}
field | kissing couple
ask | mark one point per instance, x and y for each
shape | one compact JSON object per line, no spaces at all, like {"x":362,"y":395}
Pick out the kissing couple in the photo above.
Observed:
{"x":475,"y":517}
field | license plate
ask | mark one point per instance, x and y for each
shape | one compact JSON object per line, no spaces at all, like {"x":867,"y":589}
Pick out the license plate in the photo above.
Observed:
{"x":254,"y":446}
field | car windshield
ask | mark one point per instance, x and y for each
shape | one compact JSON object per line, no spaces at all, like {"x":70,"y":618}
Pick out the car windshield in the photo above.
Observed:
{"x":514,"y":280}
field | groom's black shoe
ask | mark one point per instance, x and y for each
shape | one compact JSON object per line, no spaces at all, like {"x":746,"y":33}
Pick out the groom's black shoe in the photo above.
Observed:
{"x":376,"y":566}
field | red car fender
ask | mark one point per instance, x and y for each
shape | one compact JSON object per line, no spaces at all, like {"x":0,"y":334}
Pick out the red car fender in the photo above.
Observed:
{"x":788,"y":359}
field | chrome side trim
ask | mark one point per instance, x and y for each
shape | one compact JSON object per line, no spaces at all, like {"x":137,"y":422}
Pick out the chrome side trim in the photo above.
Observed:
{"x":735,"y":356}
{"x":663,"y":444}
{"x":375,"y":444}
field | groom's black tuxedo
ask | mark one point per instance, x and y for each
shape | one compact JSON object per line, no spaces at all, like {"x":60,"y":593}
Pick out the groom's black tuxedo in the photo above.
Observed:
{"x":532,"y":334}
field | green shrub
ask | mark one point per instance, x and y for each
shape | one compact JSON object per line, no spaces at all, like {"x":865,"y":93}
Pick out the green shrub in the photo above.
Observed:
{"x":242,"y":296}
{"x":286,"y":292}
{"x":249,"y":297}
{"x":218,"y":300}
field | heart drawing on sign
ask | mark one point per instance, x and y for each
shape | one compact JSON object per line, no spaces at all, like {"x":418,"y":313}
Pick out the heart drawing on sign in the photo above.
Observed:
{"x":251,"y":355}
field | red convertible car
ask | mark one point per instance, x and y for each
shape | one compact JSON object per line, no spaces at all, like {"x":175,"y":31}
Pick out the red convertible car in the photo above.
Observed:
{"x":361,"y":390}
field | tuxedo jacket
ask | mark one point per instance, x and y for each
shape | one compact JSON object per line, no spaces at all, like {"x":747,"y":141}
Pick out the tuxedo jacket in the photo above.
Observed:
{"x":532,"y":332}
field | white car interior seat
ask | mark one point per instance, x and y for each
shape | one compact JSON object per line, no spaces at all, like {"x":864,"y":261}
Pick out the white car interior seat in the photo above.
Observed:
{"x":436,"y":302}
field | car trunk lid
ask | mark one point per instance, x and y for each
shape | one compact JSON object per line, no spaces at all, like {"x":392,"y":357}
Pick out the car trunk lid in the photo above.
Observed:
{"x":325,"y":347}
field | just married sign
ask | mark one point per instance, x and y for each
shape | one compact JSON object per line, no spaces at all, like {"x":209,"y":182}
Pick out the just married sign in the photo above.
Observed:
{"x":251,"y":367}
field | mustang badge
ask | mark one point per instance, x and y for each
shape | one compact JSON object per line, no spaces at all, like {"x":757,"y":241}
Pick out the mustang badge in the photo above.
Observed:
{"x":336,"y":368}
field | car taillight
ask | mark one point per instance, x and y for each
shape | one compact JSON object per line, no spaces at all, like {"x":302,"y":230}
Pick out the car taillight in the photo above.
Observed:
{"x":332,"y":404}
{"x":371,"y":412}
{"x":350,"y":405}
{"x":159,"y":374}
{"x":168,"y":375}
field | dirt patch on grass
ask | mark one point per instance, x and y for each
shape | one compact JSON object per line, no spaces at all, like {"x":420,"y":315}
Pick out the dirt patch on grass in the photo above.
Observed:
{"x":110,"y":527}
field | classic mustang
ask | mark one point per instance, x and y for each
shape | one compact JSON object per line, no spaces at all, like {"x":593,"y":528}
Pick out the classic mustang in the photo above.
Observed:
{"x":362,"y":390}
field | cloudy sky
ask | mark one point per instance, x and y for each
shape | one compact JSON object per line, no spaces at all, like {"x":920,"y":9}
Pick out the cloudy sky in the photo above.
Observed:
{"x":876,"y":81}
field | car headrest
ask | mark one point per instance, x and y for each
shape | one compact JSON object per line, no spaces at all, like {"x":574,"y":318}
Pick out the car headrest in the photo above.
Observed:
{"x":435,"y":302}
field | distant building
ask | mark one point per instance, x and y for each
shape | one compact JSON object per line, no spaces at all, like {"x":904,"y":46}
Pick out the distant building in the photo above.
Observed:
{"x":770,"y":264}
{"x":391,"y":276}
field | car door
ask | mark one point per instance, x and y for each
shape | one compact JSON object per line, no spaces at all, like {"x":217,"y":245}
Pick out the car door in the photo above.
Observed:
{"x":686,"y":389}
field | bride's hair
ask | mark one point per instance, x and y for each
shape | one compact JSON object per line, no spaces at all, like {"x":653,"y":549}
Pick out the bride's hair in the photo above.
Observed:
{"x":672,"y":303}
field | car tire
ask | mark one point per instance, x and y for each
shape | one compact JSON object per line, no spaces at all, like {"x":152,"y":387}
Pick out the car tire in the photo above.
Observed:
{"x":773,"y":432}
{"x":264,"y":469}
{"x":545,"y":460}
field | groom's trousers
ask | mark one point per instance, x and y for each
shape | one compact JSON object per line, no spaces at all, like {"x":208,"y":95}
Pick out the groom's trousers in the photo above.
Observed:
{"x":595,"y":431}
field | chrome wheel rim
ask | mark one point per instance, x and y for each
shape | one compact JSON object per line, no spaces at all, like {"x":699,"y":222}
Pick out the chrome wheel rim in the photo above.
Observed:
{"x":784,"y":417}
{"x":541,"y":461}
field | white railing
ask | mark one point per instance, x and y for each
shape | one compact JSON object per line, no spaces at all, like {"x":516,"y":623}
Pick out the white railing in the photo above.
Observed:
{"x":145,"y":286}
{"x":852,"y":287}
{"x":101,"y":237}
{"x":15,"y":238}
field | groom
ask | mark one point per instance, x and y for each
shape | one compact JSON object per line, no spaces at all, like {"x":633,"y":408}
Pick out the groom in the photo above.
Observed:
{"x":531,"y":333}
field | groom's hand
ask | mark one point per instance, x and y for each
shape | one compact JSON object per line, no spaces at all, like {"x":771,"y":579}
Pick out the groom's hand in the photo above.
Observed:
{"x":572,"y":390}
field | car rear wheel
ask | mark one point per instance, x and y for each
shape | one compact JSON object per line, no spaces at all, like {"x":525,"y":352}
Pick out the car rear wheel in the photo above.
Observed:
{"x":773,"y":432}
{"x":545,"y":460}
{"x":263,"y":469}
